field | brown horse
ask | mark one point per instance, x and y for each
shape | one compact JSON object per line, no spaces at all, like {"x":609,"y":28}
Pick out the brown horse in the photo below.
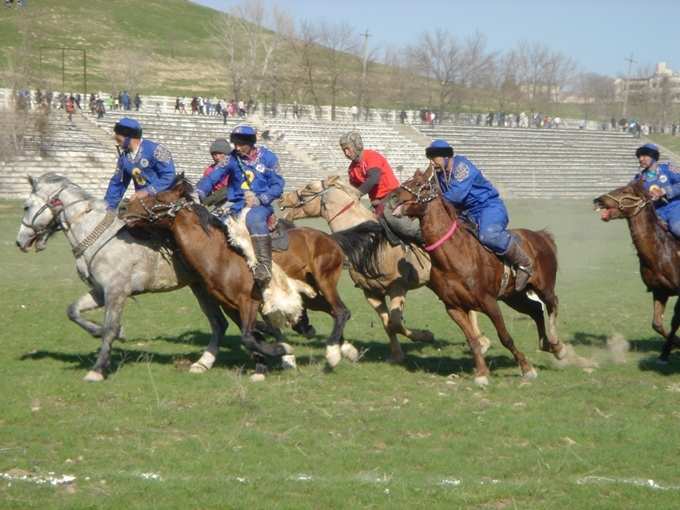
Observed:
{"x":657,"y":250}
{"x":466,"y":276}
{"x":312,"y":257}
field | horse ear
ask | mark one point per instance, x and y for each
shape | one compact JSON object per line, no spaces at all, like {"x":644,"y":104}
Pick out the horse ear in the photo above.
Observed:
{"x":32,"y":182}
{"x":330,"y":181}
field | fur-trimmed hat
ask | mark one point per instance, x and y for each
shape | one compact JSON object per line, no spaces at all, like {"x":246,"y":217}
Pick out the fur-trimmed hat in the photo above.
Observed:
{"x":648,"y":149}
{"x":439,"y":148}
{"x":243,"y":134}
{"x":128,"y":128}
{"x":220,"y":145}
{"x":353,"y":140}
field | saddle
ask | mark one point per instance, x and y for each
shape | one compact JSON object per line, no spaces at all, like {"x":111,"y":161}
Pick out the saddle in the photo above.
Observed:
{"x":278,"y":228}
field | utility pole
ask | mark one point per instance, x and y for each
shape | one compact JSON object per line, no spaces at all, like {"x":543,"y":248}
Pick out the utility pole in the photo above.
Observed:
{"x":627,"y":87}
{"x":365,"y":35}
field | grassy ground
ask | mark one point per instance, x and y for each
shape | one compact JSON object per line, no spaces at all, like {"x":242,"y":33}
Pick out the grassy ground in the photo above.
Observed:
{"x":369,"y":435}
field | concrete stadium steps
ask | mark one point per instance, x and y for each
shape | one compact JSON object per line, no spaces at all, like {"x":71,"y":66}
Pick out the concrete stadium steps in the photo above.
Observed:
{"x":545,"y":162}
{"x":188,"y":137}
{"x":67,"y":149}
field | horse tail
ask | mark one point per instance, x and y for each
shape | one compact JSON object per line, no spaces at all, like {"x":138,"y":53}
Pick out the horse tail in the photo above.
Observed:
{"x":362,"y":245}
{"x":549,"y":238}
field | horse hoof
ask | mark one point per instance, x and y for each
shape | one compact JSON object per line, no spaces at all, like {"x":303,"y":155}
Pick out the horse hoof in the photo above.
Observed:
{"x":288,"y":361}
{"x":197,"y":368}
{"x":349,"y":351}
{"x":93,"y":376}
{"x":286,"y":347}
{"x":257,"y":377}
{"x":561,"y":353}
{"x":485,"y":344}
{"x":422,"y":336}
{"x":482,"y":381}
{"x":333,"y":355}
{"x":531,"y":374}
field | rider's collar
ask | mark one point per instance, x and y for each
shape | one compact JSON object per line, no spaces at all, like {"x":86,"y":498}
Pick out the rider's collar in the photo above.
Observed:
{"x":134,"y":155}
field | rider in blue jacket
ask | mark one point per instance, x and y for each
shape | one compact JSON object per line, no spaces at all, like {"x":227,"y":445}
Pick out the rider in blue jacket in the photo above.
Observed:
{"x":662,"y":182}
{"x":148,"y":164}
{"x":254,"y":181}
{"x":464,"y":185}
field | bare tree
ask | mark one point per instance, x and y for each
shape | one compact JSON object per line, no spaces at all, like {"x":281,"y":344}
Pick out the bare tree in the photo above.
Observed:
{"x":451,"y":65}
{"x":598,"y":94}
{"x":305,"y":46}
{"x":338,"y":39}
{"x":128,"y":69}
{"x":250,"y":37}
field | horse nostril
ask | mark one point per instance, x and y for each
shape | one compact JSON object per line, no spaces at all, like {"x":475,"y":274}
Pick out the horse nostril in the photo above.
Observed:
{"x":18,"y":244}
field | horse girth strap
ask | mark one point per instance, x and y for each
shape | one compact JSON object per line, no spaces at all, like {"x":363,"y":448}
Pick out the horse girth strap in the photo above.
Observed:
{"x":107,"y":221}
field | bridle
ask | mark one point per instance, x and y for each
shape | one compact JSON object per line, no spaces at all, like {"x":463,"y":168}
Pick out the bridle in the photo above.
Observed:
{"x":304,"y":199}
{"x":424,"y":194}
{"x":54,"y":204}
{"x":160,"y":211}
{"x":628,"y":201}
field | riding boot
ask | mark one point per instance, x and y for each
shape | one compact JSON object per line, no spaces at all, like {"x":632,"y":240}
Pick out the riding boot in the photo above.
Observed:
{"x":518,"y":258}
{"x":262,"y":272}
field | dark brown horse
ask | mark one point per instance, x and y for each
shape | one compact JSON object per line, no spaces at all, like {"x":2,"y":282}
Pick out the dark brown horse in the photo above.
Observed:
{"x":466,"y":276}
{"x":312,"y":257}
{"x":657,"y":249}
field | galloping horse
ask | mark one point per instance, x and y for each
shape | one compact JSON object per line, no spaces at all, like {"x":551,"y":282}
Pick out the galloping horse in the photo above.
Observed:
{"x":657,"y":249}
{"x":312,"y":257}
{"x":389,"y":272}
{"x":114,"y":264}
{"x":468,"y":277}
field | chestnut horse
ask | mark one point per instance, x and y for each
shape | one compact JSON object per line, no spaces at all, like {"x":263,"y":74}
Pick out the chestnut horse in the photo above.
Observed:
{"x":312,"y":257}
{"x":657,"y":249}
{"x":466,"y":276}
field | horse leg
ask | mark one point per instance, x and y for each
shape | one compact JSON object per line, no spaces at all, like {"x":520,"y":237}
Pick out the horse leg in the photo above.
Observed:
{"x":484,"y":342}
{"x":397,"y":297}
{"x":670,"y":339}
{"x":328,"y":301}
{"x":218,"y":326}
{"x":494,"y":312}
{"x":110,"y":331}
{"x":463,"y":320}
{"x":523,"y":304}
{"x":259,"y":349}
{"x":555,"y":345}
{"x":303,"y":326}
{"x":378,"y":303}
{"x":90,"y":301}
{"x":660,"y":301}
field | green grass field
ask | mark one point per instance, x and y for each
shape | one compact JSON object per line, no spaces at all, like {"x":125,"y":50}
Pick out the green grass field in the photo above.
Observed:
{"x":369,"y":435}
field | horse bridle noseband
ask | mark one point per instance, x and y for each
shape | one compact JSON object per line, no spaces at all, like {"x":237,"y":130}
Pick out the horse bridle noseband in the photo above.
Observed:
{"x":422,"y":194}
{"x":638,"y":203}
{"x":303,"y":200}
{"x":56,"y":207}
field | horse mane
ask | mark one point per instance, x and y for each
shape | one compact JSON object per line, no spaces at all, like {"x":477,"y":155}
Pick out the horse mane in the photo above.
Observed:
{"x":362,"y":244}
{"x":54,"y":178}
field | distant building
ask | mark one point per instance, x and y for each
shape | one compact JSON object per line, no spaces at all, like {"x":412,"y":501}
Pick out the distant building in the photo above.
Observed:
{"x":663,"y":80}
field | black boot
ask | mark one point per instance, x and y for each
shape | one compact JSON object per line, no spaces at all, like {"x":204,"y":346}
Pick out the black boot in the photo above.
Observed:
{"x":263,"y":253}
{"x":518,"y":259}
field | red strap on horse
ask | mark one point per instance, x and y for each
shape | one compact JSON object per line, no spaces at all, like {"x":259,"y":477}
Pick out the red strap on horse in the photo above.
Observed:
{"x":446,"y":237}
{"x":341,"y":211}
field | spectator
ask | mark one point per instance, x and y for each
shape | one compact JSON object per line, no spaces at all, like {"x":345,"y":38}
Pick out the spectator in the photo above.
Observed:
{"x":241,"y":109}
{"x":138,"y":102}
{"x":70,"y":107}
{"x":403,"y":116}
{"x":354,"y":111}
{"x":177,"y":103}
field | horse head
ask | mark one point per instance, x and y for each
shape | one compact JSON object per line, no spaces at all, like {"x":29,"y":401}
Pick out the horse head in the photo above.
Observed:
{"x":159,"y":210}
{"x":41,"y":211}
{"x":624,"y":202}
{"x":413,"y":196}
{"x":303,"y":202}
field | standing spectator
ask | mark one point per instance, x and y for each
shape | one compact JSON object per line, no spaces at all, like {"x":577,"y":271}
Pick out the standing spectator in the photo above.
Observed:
{"x":218,"y":108}
{"x":194,"y":105}
{"x":77,"y":100}
{"x":177,"y":103}
{"x":225,"y":114}
{"x":296,"y":110}
{"x":138,"y":102}
{"x":208,"y":106}
{"x":403,"y":116}
{"x":354,"y":110}
{"x":241,"y":109}
{"x":70,"y":107}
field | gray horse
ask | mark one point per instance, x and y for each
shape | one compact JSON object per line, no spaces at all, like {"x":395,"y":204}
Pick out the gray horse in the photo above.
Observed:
{"x":113,"y":263}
